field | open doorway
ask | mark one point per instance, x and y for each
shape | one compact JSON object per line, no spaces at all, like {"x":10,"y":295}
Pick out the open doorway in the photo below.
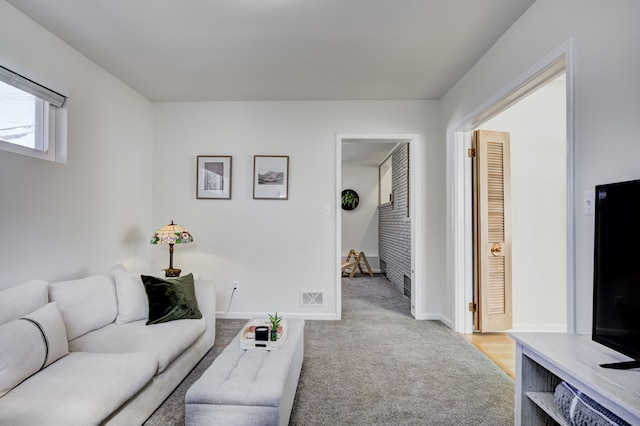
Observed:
{"x":548,"y":69}
{"x":358,"y":158}
{"x":361,"y":160}
{"x":538,"y":200}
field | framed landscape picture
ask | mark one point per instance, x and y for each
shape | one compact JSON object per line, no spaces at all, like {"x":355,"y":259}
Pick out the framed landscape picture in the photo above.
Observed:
{"x":213,"y":177}
{"x":271,"y":177}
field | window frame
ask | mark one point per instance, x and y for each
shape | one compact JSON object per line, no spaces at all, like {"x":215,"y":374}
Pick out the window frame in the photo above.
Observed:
{"x":50,"y":120}
{"x":385,"y":181}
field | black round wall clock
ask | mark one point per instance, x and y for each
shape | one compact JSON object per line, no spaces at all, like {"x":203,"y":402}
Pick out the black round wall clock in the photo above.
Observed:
{"x":350,"y":199}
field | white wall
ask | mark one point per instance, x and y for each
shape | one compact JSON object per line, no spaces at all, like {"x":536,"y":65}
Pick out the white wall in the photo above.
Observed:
{"x":128,"y":158}
{"x":539,"y":216}
{"x":64,"y":221}
{"x":278,"y":248}
{"x":607,"y":101}
{"x":360,"y":226}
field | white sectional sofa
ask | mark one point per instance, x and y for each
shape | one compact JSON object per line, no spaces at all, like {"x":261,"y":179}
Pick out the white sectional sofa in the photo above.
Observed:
{"x":80,"y":352}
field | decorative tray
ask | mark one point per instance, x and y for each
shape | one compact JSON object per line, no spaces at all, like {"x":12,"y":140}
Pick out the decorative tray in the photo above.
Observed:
{"x":248,"y":335}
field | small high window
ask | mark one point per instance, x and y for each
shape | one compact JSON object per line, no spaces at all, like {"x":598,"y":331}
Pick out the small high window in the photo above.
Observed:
{"x":32,"y":118}
{"x":385,"y":173}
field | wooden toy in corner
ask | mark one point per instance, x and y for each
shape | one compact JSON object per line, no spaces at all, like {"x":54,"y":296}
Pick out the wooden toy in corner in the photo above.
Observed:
{"x":354,"y":261}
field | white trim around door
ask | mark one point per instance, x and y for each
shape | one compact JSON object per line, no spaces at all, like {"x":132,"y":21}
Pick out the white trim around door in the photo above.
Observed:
{"x":458,"y":139}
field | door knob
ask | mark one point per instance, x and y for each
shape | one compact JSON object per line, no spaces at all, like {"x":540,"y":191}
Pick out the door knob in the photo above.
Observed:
{"x":496,"y":249}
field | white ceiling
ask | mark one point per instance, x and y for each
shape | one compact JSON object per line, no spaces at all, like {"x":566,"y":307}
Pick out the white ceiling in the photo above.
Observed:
{"x":367,"y":152}
{"x":232,"y":50}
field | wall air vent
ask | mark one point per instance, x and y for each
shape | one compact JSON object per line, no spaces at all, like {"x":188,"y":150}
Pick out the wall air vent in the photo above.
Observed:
{"x":312,"y":298}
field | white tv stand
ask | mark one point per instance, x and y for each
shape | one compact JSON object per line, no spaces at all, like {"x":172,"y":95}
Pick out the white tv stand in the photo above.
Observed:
{"x":543,"y":360}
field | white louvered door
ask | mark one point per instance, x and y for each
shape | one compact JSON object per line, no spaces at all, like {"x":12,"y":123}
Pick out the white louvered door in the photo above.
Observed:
{"x":492,"y":221}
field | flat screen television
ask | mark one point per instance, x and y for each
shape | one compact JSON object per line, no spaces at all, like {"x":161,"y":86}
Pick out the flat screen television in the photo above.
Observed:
{"x":616,"y":284}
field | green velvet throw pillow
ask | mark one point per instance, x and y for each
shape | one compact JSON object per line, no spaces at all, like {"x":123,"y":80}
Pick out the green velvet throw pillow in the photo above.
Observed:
{"x":171,"y":299}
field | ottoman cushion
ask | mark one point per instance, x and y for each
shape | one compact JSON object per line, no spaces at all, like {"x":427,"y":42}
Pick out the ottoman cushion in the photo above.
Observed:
{"x":252,"y":386}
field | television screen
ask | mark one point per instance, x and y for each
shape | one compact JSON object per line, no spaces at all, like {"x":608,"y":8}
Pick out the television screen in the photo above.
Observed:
{"x":616,"y":295}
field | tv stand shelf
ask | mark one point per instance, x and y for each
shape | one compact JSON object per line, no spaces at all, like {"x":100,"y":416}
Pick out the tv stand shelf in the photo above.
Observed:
{"x":543,"y":360}
{"x":545,"y":401}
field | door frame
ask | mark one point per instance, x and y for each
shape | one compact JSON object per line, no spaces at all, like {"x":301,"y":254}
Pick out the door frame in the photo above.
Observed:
{"x":458,"y":136}
{"x":413,"y":139}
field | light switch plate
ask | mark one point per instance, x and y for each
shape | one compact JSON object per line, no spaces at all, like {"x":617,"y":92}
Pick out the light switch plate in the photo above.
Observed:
{"x":589,"y":200}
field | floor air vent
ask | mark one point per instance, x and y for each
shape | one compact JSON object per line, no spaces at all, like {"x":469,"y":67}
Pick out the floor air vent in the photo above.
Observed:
{"x":312,"y":298}
{"x":407,"y":286}
{"x":383,"y":267}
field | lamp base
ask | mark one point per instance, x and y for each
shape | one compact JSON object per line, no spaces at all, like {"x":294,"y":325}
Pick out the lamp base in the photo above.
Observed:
{"x":171,"y":272}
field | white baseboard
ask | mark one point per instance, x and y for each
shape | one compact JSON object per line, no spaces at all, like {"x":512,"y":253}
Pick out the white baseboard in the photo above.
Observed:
{"x":250,"y":315}
{"x":321,"y":316}
{"x":447,"y":321}
{"x":436,"y":317}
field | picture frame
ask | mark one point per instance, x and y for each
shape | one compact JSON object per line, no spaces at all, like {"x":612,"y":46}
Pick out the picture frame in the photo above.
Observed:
{"x":213,"y":177}
{"x":270,"y":177}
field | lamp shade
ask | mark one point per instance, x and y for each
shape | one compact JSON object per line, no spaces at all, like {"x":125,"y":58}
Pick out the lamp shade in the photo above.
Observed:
{"x":171,"y":234}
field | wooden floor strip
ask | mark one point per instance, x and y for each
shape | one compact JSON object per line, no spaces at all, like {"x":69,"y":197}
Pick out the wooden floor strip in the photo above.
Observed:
{"x":499,"y":347}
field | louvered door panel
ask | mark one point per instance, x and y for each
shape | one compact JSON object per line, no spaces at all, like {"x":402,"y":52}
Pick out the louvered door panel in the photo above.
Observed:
{"x":495,"y":191}
{"x":495,"y":286}
{"x":493,"y":239}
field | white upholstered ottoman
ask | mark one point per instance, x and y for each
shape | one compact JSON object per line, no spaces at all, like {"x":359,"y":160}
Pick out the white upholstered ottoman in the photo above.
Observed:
{"x":248,"y":387}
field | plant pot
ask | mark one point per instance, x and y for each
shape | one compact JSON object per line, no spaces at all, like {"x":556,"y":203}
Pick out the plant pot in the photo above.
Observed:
{"x":274,"y":335}
{"x":350,"y":199}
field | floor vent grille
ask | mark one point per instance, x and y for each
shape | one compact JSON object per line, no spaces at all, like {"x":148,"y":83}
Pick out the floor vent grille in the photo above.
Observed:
{"x":312,"y":298}
{"x":407,"y":286}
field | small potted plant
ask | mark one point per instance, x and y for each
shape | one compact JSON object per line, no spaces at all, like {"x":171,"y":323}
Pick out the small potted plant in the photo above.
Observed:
{"x":275,"y":322}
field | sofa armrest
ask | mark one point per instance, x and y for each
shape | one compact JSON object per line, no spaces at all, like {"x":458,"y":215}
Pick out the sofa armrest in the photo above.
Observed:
{"x":206,"y":295}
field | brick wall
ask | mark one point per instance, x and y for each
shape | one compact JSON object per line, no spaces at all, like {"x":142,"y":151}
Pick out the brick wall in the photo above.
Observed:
{"x":394,"y":222}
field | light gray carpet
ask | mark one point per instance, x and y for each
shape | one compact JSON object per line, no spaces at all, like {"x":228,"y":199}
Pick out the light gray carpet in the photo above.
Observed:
{"x":379,"y":366}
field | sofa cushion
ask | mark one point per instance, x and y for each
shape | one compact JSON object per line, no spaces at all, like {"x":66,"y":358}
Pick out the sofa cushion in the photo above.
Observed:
{"x":133,"y":304}
{"x":29,"y":344}
{"x":22,"y":299}
{"x":86,"y":304}
{"x":79,"y":389}
{"x":111,"y":273}
{"x":171,"y":299}
{"x":165,"y":341}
